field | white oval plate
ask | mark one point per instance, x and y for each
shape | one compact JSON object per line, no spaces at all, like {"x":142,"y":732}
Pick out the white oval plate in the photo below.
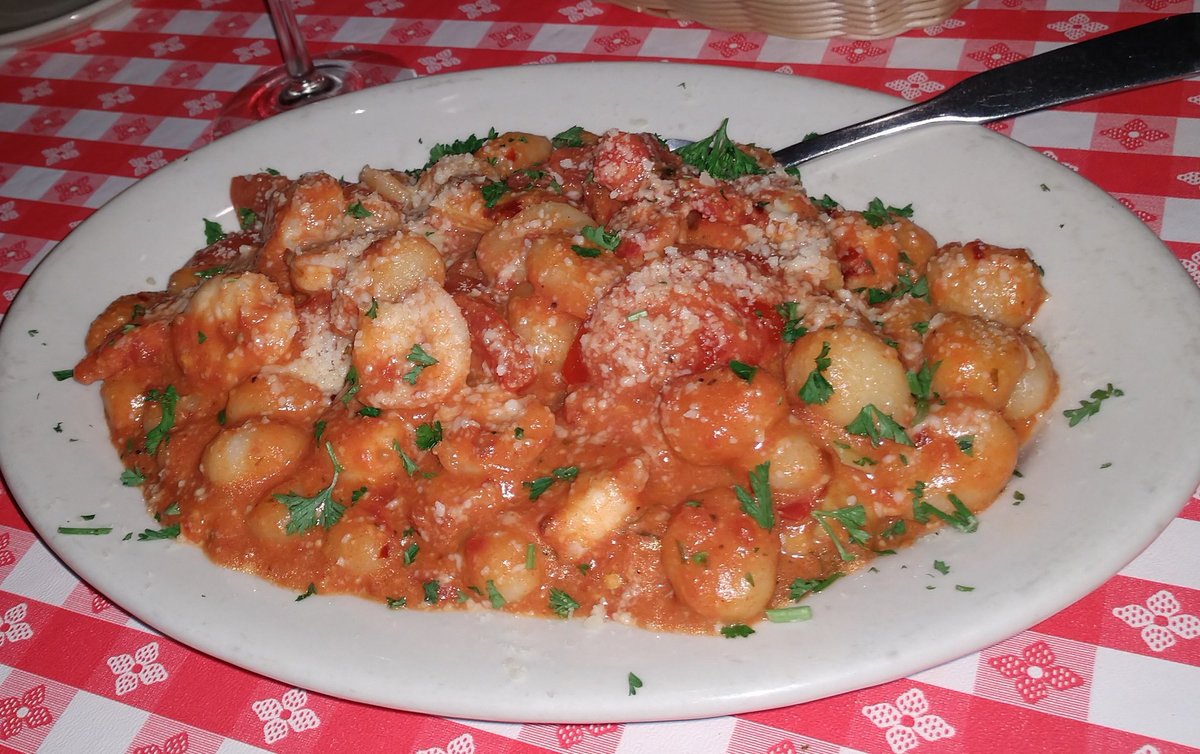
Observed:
{"x":1122,"y":311}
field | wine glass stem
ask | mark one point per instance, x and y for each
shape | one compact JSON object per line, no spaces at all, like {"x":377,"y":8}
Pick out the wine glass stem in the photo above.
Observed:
{"x":305,"y":79}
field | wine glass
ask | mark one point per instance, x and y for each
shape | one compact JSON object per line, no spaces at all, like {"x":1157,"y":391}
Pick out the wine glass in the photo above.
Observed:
{"x":302,"y":79}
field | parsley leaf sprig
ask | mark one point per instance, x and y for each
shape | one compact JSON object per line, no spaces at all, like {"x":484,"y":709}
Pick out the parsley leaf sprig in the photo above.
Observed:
{"x":853,"y":519}
{"x":158,"y":434}
{"x":537,"y":487}
{"x":572,"y":137}
{"x":757,"y":503}
{"x":793,"y":329}
{"x":719,"y":156}
{"x":306,"y":512}
{"x":962,"y":518}
{"x":459,"y":146}
{"x":1092,"y":407}
{"x":562,"y":603}
{"x":878,"y":426}
{"x":816,"y":388}
{"x":420,"y":360}
{"x":603,"y":240}
{"x":920,"y":384}
{"x":877,"y":214}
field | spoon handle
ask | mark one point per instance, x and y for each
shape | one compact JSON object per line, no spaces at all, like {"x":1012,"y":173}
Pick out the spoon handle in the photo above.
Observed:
{"x":1152,"y":53}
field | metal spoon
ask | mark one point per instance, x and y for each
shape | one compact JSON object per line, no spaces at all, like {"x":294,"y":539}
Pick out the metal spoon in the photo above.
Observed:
{"x":1152,"y":53}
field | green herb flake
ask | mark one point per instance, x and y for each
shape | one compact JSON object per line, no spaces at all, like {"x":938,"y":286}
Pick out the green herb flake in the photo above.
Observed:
{"x":358,"y":211}
{"x":247,"y":217}
{"x":428,"y":435}
{"x":530,"y":556}
{"x":801,"y":587}
{"x":1104,"y":465}
{"x":420,"y":360}
{"x":877,"y":426}
{"x":310,"y":591}
{"x":410,"y":466}
{"x":519,"y":433}
{"x":635,"y":683}
{"x":63,"y":374}
{"x":877,"y":214}
{"x":537,"y":487}
{"x":719,"y":156}
{"x":966,"y":443}
{"x":736,"y":631}
{"x":431,"y":591}
{"x":757,"y":503}
{"x":562,"y":603}
{"x":373,"y":312}
{"x":586,"y":252}
{"x":58,"y":427}
{"x":320,"y":509}
{"x":167,"y":532}
{"x":793,"y":614}
{"x":816,"y":388}
{"x":494,"y":595}
{"x":397,"y":603}
{"x":745,"y":371}
{"x":826,"y":203}
{"x":491,"y":193}
{"x":963,"y":588}
{"x":1018,"y":497}
{"x":167,"y":401}
{"x":91,"y":531}
{"x":941,"y":567}
{"x":853,"y":519}
{"x":133,"y":477}
{"x":370,"y":411}
{"x":1092,"y":407}
{"x":212,"y":232}
{"x":572,"y":137}
{"x":921,"y":327}
{"x":352,"y":386}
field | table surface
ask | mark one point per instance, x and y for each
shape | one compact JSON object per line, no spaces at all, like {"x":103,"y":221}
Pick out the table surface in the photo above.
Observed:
{"x":86,"y":115}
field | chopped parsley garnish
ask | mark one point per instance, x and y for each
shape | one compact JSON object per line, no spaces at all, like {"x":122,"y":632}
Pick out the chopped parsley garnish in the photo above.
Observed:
{"x":410,"y":466}
{"x":920,"y":328}
{"x":572,"y":137}
{"x":852,"y":518}
{"x":460,"y":146}
{"x":816,"y":388}
{"x":1018,"y":497}
{"x":962,"y":518}
{"x":602,"y":240}
{"x":200,"y":337}
{"x":57,"y":427}
{"x":792,"y":329}
{"x":63,"y":374}
{"x":897,"y":528}
{"x":167,"y":532}
{"x":373,"y":312}
{"x":530,"y":556}
{"x":878,"y":426}
{"x":719,"y":156}
{"x":357,"y":495}
{"x":966,"y":443}
{"x":431,"y":591}
{"x":420,"y":360}
{"x":801,"y":587}
{"x":920,"y":384}
{"x":410,"y":553}
{"x":212,"y":232}
{"x":826,"y":203}
{"x":310,"y":591}
{"x":208,"y":272}
{"x":1088,"y":408}
{"x":396,"y":603}
{"x":492,"y":192}
{"x":132,"y":477}
{"x":318,"y":429}
{"x":635,"y":683}
{"x":519,"y":433}
{"x":247,"y":217}
{"x":793,"y":614}
{"x":429,"y":435}
{"x":876,"y":214}
{"x":370,"y":411}
{"x":306,"y":512}
{"x":539,"y":486}
{"x":494,"y":595}
{"x":757,"y":504}
{"x":586,"y":252}
{"x":352,"y":386}
{"x":745,"y":371}
{"x":963,"y":588}
{"x":85,"y":530}
{"x":562,"y":603}
{"x":736,"y":631}
{"x":158,"y":434}
{"x":172,"y":510}
{"x":941,"y":567}
{"x":221,"y":417}
{"x":357,"y":210}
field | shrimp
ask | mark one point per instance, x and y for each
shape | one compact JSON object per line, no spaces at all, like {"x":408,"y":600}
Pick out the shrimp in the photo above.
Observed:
{"x":502,"y":350}
{"x":629,"y":165}
{"x":502,"y":250}
{"x":679,"y":315}
{"x":415,"y":352}
{"x":491,"y":433}
{"x":232,"y":327}
{"x":385,"y":271}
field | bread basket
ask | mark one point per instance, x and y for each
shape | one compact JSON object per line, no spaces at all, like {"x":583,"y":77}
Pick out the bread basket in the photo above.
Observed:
{"x":804,"y":19}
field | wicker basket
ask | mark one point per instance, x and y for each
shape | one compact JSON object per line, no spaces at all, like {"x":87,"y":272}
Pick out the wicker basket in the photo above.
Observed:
{"x":805,"y":19}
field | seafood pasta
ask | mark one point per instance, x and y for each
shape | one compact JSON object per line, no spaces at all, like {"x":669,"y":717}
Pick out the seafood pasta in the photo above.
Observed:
{"x":579,"y":375}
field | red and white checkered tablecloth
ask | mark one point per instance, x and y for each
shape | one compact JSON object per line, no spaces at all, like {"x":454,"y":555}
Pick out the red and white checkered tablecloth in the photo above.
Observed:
{"x":85,"y":116}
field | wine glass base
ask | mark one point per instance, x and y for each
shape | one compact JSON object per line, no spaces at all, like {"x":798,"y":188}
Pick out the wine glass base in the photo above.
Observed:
{"x":276,"y":91}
